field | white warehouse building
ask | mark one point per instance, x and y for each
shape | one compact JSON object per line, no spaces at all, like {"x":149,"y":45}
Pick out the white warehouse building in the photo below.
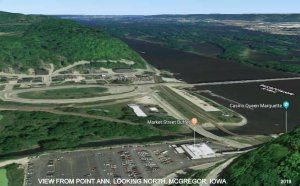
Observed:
{"x":198,"y":151}
{"x":137,"y":110}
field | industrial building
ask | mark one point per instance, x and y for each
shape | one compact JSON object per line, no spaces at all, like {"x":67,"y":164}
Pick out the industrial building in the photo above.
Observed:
{"x":179,"y":150}
{"x":137,"y":110}
{"x":197,"y":151}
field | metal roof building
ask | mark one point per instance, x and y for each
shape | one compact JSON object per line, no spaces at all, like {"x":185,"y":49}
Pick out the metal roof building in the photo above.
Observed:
{"x":137,"y":110}
{"x":198,"y":151}
{"x":179,"y":150}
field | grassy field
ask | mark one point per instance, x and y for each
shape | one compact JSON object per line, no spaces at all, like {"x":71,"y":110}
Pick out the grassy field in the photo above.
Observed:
{"x":191,"y":110}
{"x":176,"y":105}
{"x":67,"y":93}
{"x":15,"y":175}
{"x":3,"y":177}
{"x":232,"y":117}
{"x":187,"y":108}
{"x":113,"y":110}
{"x":123,"y":112}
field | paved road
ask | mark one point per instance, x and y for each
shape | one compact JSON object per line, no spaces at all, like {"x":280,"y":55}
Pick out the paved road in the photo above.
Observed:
{"x":70,"y":66}
{"x":12,"y":95}
{"x":198,"y":167}
{"x":21,"y":161}
{"x":215,"y":172}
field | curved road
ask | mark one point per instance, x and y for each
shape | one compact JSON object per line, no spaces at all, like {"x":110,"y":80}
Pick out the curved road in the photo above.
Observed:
{"x":12,"y":95}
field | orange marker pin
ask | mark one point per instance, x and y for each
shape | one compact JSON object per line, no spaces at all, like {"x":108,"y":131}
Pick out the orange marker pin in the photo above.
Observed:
{"x":194,"y":121}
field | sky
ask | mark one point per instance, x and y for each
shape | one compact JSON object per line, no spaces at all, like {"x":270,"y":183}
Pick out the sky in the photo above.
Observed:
{"x":148,"y":7}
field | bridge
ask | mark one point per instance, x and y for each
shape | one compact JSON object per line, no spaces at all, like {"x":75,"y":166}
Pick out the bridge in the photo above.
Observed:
{"x":245,"y":81}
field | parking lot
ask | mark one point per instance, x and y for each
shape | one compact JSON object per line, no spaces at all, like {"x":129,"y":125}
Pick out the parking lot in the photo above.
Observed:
{"x":132,"y":162}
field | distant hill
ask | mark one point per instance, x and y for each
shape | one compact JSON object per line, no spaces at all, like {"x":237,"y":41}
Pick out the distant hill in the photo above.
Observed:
{"x":13,"y":18}
{"x":199,"y":17}
{"x":244,"y":17}
{"x":10,"y":22}
{"x":276,"y":161}
{"x":35,"y":41}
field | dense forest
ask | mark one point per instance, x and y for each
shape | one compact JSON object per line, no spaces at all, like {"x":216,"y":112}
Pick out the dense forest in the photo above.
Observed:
{"x":25,"y":130}
{"x":17,"y":22}
{"x":35,"y":41}
{"x":276,"y":163}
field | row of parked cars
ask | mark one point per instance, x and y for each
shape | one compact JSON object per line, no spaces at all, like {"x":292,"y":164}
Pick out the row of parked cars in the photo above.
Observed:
{"x":129,"y":165}
{"x":147,"y":160}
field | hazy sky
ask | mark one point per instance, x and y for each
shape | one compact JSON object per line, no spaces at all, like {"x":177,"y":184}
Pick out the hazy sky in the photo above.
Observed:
{"x":146,"y":7}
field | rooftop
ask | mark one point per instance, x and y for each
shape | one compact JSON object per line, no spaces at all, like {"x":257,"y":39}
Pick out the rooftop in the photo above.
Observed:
{"x":137,"y":110}
{"x":197,"y":151}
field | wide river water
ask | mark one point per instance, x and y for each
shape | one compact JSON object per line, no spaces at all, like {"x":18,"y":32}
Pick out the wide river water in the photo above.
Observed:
{"x":194,"y":68}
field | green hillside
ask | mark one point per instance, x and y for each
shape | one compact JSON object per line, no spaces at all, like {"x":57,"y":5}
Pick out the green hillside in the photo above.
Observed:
{"x":14,"y":18}
{"x":272,"y":164}
{"x":42,"y":40}
{"x":17,"y":22}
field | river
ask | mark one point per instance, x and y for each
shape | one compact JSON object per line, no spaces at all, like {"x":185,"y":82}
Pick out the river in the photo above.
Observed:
{"x":194,"y":68}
